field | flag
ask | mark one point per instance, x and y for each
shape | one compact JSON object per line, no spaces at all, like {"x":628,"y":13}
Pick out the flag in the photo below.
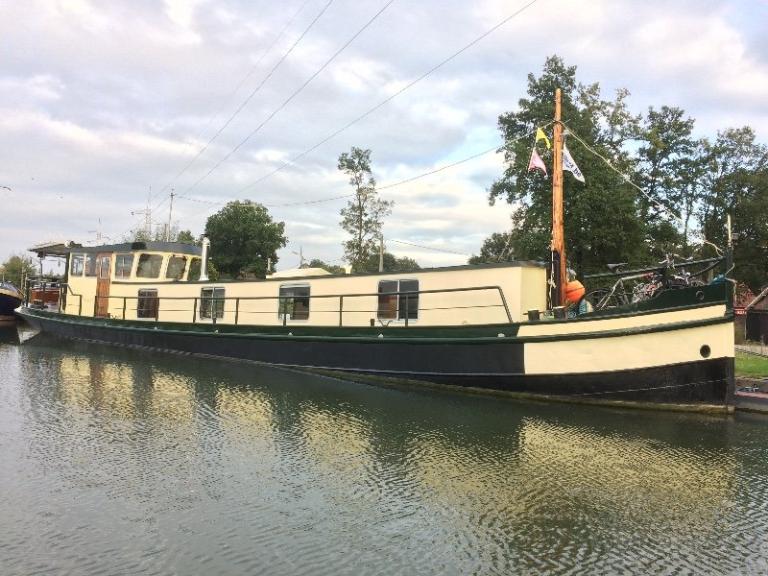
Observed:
{"x":570,"y":165}
{"x":536,"y":163}
{"x":541,"y":136}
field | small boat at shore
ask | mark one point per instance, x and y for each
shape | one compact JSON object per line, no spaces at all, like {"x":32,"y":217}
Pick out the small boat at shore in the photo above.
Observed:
{"x":505,"y":328}
{"x":10,"y":299}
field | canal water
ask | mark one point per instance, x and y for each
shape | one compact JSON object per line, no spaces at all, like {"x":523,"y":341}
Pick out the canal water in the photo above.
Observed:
{"x":125,"y":462}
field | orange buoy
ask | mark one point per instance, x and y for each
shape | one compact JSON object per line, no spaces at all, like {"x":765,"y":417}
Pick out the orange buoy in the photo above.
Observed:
{"x":574,"y":290}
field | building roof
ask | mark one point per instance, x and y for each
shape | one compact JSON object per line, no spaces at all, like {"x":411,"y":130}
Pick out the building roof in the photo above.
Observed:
{"x":175,"y":247}
{"x":758,"y":299}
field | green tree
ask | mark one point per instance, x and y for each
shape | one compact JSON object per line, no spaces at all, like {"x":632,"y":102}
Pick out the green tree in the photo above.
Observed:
{"x":602,"y":222}
{"x":332,"y":268}
{"x":17,"y":268}
{"x":364,"y":215}
{"x":496,"y":248}
{"x":736,"y":183}
{"x":391,"y":264}
{"x":243,"y":237}
{"x":667,"y":172}
{"x":186,"y":237}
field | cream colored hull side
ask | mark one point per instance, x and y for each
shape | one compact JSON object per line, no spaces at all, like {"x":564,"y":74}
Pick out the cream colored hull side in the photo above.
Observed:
{"x":638,"y":321}
{"x":629,"y":351}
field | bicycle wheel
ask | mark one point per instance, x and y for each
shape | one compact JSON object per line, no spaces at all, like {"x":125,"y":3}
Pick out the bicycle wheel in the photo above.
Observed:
{"x":602,"y":298}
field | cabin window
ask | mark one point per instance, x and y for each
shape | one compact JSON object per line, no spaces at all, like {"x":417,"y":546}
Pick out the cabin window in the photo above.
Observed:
{"x":149,"y":266}
{"x":394,"y":306}
{"x":148,"y":304}
{"x":176,"y":267}
{"x":294,"y":301}
{"x":123,"y":265}
{"x":76,"y":268}
{"x":90,"y":265}
{"x":103,"y":267}
{"x":212,"y":303}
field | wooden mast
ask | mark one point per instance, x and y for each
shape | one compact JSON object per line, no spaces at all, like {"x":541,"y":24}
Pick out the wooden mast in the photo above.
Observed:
{"x":558,"y":237}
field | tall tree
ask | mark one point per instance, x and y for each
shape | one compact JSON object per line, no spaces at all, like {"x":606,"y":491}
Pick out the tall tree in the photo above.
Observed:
{"x":602,"y":222}
{"x":18,"y":267}
{"x":243,"y":237}
{"x":364,"y":215}
{"x":498,"y":247}
{"x":736,"y":178}
{"x":666,"y":170}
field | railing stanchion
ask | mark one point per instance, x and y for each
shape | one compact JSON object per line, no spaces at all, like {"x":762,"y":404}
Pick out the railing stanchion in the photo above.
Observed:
{"x":194,"y":311}
{"x":80,"y":305}
{"x":124,"y":305}
{"x":407,"y":310}
{"x":504,"y":301}
{"x":341,"y":310}
{"x":237,"y":310}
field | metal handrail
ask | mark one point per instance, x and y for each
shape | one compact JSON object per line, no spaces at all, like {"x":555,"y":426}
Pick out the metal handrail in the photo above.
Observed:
{"x":215,"y":300}
{"x":659,"y":268}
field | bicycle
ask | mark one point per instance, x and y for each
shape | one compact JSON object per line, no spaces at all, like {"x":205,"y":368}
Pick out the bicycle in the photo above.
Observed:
{"x":641,"y":286}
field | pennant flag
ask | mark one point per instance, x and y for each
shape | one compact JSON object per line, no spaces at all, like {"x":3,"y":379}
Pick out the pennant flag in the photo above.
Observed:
{"x":536,"y":163}
{"x":570,"y":165}
{"x":541,"y":136}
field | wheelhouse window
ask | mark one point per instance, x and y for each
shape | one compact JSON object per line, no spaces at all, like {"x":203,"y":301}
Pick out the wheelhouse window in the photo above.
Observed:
{"x":149,"y":266}
{"x":148,"y":304}
{"x":90,"y":265}
{"x":123,"y":265}
{"x":211,"y":303}
{"x":76,"y":267}
{"x":103,"y":267}
{"x":294,"y":301}
{"x":176,"y":267}
{"x":394,"y":306}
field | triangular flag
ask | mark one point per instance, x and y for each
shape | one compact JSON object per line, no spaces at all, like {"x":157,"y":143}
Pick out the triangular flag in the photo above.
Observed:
{"x":570,"y":165}
{"x":536,"y":163}
{"x":541,"y":136}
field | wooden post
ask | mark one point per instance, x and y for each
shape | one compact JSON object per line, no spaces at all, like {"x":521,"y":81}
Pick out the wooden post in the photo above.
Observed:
{"x":558,"y":235}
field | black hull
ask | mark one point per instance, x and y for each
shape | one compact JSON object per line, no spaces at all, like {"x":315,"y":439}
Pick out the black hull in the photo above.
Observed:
{"x":488,"y":364}
{"x":8,"y":304}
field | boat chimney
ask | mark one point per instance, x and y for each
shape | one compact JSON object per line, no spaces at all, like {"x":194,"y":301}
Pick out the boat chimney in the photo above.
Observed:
{"x":204,"y":257}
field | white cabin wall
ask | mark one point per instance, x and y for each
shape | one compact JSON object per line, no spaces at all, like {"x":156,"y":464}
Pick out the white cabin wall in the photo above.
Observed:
{"x":522,"y":291}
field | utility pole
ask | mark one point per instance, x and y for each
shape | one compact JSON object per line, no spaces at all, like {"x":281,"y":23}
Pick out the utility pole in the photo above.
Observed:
{"x":557,"y":292}
{"x":170,"y":215}
{"x":381,"y":253}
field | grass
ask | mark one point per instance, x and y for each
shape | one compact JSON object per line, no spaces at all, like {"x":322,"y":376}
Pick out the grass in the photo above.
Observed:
{"x":751,"y":366}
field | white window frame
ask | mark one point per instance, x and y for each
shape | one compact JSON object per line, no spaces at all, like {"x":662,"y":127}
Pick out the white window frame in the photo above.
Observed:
{"x":397,"y":319}
{"x":290,"y":318}
{"x":213,"y":299}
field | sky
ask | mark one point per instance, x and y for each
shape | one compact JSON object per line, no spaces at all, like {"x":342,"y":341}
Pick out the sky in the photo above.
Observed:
{"x":107,"y":107}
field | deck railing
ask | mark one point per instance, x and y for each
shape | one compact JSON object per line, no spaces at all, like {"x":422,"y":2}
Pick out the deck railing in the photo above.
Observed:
{"x":215,"y":308}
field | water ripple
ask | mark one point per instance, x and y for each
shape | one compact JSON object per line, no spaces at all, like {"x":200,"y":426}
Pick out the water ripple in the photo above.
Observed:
{"x":117,"y":462}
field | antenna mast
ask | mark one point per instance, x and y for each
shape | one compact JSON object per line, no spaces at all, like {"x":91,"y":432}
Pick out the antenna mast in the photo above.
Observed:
{"x":557,"y":292}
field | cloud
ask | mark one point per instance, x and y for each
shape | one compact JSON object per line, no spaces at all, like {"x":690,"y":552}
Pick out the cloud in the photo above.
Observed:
{"x":101,"y":101}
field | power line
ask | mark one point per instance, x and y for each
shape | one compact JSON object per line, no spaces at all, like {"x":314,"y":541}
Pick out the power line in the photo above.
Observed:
{"x":294,"y":94}
{"x":391,"y":97}
{"x":385,"y":186}
{"x":427,"y":247}
{"x":250,"y":96}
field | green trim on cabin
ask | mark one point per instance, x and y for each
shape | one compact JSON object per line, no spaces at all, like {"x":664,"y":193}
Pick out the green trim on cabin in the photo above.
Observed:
{"x":477,"y":335}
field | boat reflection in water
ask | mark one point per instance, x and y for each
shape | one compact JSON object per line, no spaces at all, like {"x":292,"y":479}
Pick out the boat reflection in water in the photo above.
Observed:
{"x":257,"y":469}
